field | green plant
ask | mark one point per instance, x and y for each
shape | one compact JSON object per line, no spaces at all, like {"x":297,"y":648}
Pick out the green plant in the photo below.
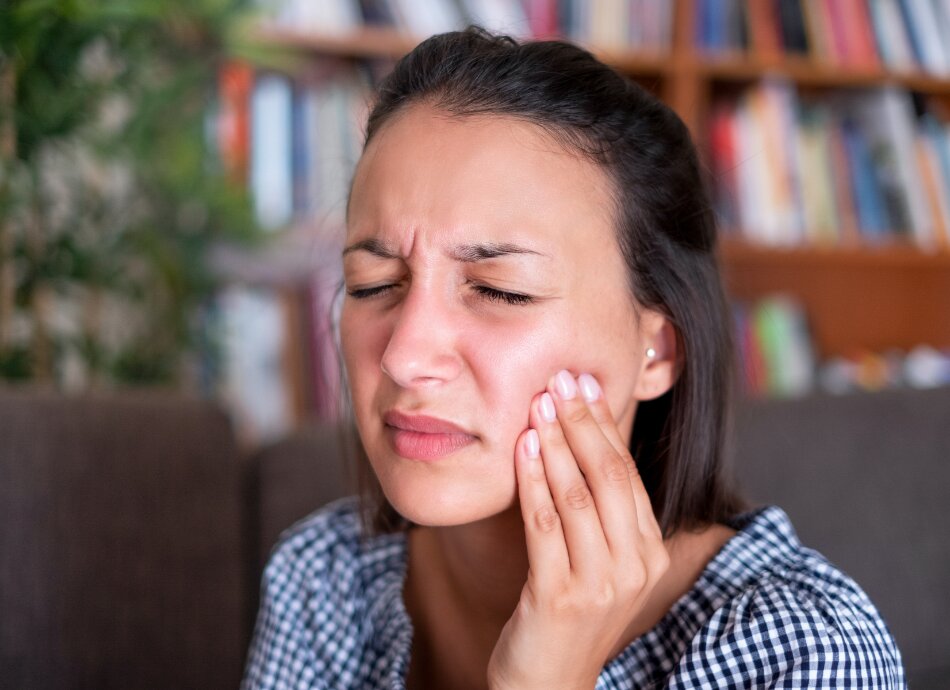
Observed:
{"x":110,"y":192}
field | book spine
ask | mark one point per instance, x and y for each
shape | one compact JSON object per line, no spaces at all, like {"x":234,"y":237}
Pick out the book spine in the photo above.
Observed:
{"x":542,"y":18}
{"x":844,"y":193}
{"x":235,"y":85}
{"x":270,"y":160}
{"x":864,"y":36}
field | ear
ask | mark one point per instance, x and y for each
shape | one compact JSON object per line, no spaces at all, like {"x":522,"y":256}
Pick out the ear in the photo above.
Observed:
{"x":657,"y":373}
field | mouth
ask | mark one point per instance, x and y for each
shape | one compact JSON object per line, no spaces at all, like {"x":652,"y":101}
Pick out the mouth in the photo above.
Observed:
{"x":420,"y":437}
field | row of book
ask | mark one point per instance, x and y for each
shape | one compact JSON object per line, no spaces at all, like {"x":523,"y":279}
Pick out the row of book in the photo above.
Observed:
{"x":295,"y":142}
{"x":861,"y":166}
{"x":901,"y":35}
{"x":775,"y":350}
{"x":778,"y":358}
{"x":279,"y":366}
{"x":640,"y":24}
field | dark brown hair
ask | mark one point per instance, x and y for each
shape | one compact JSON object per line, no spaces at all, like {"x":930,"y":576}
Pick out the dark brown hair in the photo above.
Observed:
{"x":665,"y":229}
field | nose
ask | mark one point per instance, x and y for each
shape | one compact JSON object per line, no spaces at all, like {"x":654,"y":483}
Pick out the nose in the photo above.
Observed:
{"x":422,"y":349}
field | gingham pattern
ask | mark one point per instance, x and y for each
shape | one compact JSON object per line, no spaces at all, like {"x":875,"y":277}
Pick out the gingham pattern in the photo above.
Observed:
{"x":766,"y":612}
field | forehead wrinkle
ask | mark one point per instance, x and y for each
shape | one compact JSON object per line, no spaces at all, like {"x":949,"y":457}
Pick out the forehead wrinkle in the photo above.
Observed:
{"x":473,"y":253}
{"x":464,"y":253}
{"x":374,"y":246}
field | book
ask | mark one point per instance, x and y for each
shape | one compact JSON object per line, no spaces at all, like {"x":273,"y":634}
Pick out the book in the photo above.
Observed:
{"x":325,"y":16}
{"x":253,"y":383}
{"x":781,"y":328}
{"x":873,"y":220}
{"x":843,"y":189}
{"x":862,"y":40}
{"x":819,"y":202}
{"x":722,"y":142}
{"x":924,"y":32}
{"x":764,"y":32}
{"x":609,"y":24}
{"x":887,"y":116}
{"x":933,"y":186}
{"x":500,"y":16}
{"x":428,"y":18}
{"x":774,"y":345}
{"x":936,"y":144}
{"x":377,"y":13}
{"x":233,"y":121}
{"x":817,"y":36}
{"x":791,"y":21}
{"x":767,"y":167}
{"x":891,"y":33}
{"x":543,"y":18}
{"x":834,"y":29}
{"x":271,"y":166}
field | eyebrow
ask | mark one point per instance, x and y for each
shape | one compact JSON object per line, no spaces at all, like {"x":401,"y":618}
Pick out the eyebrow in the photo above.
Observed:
{"x":466,"y":253}
{"x":373,"y":246}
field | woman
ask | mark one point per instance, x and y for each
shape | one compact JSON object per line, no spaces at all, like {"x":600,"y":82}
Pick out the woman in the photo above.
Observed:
{"x":539,"y":361}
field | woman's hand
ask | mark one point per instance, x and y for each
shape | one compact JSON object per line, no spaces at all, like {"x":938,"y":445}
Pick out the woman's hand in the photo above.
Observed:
{"x":595,"y":550}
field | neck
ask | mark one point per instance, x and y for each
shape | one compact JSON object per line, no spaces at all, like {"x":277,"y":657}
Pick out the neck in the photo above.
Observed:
{"x":484,"y":565}
{"x":463,"y":585}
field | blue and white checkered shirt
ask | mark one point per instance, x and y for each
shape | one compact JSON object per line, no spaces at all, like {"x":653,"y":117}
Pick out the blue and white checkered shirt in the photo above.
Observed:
{"x":766,"y":612}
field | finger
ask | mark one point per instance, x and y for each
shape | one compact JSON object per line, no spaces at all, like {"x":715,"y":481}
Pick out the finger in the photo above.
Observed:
{"x":587,"y":547}
{"x":547,"y":551}
{"x":600,"y":411}
{"x":604,"y":469}
{"x":593,"y":396}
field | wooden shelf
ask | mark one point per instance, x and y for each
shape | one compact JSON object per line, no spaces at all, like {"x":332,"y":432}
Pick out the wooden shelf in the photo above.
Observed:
{"x":381,"y":42}
{"x":367,"y":42}
{"x":884,"y":256}
{"x":805,"y":72}
{"x":867,"y":298}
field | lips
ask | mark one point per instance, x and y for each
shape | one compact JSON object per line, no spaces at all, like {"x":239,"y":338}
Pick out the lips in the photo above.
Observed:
{"x":419,"y":437}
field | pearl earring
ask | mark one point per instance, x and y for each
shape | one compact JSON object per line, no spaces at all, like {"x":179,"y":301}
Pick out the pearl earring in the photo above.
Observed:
{"x":651,"y":353}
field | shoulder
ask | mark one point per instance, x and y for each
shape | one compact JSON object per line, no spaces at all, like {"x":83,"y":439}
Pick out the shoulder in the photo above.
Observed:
{"x":325,"y":579}
{"x":786,"y":615}
{"x":327,"y":559}
{"x":332,"y":533}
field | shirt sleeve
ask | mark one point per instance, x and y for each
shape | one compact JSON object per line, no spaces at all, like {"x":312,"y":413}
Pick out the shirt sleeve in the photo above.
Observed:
{"x":303,"y":637}
{"x":281,"y":652}
{"x":783,"y":635}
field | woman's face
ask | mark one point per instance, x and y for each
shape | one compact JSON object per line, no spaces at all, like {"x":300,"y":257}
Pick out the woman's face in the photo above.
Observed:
{"x":480,"y":260}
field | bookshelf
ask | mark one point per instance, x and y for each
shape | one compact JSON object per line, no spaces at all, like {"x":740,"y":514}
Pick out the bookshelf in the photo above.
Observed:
{"x":859,"y":296}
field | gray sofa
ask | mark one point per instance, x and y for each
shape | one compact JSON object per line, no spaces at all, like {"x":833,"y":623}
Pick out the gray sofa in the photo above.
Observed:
{"x":133,"y":531}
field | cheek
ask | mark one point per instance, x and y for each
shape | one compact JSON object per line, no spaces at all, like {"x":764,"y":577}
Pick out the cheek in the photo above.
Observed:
{"x":511,"y":363}
{"x":362,"y":342}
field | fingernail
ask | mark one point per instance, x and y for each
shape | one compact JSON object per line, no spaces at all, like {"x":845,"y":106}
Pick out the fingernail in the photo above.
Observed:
{"x":565,"y":385}
{"x":590,"y":389}
{"x":532,"y":444}
{"x":546,"y":405}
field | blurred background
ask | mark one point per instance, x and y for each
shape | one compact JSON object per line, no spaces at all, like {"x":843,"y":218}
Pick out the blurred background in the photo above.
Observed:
{"x":173,"y":177}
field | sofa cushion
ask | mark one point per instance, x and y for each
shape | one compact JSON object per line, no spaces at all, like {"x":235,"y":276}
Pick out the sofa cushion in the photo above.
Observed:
{"x":866,"y":481}
{"x":120,"y":533}
{"x":293,"y":477}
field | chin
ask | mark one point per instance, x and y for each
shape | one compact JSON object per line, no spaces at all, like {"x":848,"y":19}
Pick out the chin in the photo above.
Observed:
{"x":449,"y":500}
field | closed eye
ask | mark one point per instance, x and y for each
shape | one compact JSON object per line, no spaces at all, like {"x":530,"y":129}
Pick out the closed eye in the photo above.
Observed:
{"x":489,"y":293}
{"x":366,"y":293}
{"x":501,"y":296}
